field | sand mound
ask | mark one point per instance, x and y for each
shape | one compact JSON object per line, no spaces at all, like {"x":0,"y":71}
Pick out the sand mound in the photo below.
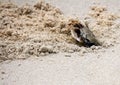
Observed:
{"x":104,"y":24}
{"x":41,"y":29}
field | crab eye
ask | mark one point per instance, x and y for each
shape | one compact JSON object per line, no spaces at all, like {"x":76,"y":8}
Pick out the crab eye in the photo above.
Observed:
{"x":77,"y":31}
{"x":79,"y":25}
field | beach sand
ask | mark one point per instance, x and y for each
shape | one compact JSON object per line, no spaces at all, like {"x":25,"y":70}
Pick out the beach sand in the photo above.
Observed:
{"x":36,"y":47}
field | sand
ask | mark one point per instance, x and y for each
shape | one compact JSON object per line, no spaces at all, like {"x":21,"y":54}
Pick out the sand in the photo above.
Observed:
{"x":41,"y":29}
{"x":36,"y":46}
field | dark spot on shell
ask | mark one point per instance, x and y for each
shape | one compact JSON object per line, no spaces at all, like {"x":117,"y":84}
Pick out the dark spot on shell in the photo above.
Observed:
{"x":78,"y":32}
{"x":78,"y":25}
{"x":87,"y":43}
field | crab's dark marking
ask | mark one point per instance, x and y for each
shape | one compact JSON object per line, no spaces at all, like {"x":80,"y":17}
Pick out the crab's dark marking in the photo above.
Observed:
{"x":87,"y":43}
{"x":78,"y":25}
{"x":77,"y":31}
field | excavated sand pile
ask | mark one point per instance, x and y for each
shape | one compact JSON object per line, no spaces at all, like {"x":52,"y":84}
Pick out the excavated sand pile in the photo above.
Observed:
{"x":104,"y":24}
{"x":41,"y":29}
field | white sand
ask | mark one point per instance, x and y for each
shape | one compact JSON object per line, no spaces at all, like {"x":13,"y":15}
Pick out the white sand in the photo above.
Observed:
{"x":96,"y":67}
{"x":102,"y":68}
